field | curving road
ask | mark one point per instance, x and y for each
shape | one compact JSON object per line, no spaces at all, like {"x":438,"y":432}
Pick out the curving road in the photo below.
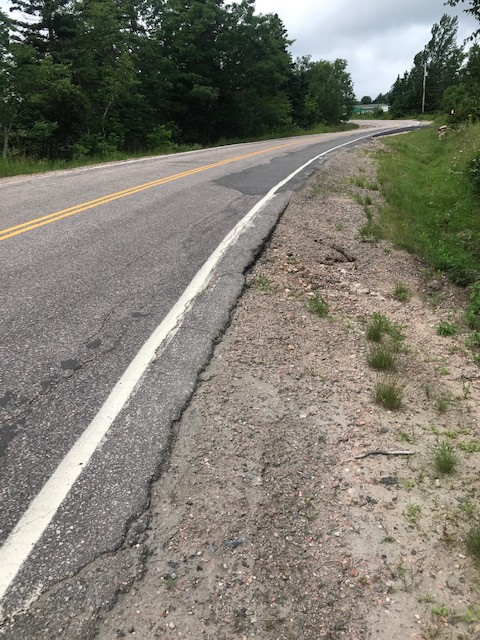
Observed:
{"x":93,"y":260}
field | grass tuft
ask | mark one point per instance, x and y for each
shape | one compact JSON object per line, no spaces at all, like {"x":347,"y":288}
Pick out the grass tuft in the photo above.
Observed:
{"x":389,"y":394}
{"x":473,"y":541}
{"x":445,"y":458}
{"x":381,"y":358}
{"x":402,"y":293}
{"x":317,"y":306}
{"x":446,"y":328}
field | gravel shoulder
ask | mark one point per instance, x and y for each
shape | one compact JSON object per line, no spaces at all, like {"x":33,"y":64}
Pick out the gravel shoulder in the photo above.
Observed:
{"x":267,"y":523}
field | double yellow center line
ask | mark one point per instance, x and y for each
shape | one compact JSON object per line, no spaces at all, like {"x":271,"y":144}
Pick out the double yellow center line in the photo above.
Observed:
{"x":16,"y":230}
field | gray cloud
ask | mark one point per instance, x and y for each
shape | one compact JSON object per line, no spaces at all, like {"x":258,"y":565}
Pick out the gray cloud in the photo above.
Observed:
{"x":378,"y":38}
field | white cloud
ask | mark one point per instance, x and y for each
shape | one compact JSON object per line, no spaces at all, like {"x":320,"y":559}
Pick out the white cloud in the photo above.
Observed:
{"x":378,"y":38}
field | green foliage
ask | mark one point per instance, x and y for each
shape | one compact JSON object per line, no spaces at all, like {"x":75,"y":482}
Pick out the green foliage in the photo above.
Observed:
{"x":401,"y":292}
{"x":381,"y":358}
{"x":446,"y":328}
{"x":473,"y":541}
{"x":445,"y":458}
{"x":99,"y":77}
{"x":472,"y":315}
{"x":473,"y":172}
{"x":389,"y":394}
{"x":318,"y":306}
{"x":432,"y":211}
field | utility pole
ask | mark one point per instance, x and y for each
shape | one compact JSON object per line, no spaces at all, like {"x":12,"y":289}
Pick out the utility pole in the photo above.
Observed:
{"x":424,"y":83}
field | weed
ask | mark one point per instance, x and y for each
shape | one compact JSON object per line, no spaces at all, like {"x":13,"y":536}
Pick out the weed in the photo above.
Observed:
{"x":440,"y":611}
{"x":170,"y":581}
{"x":442,"y":403}
{"x":428,"y":391}
{"x":407,"y":437}
{"x":446,"y":328}
{"x":262,"y":283}
{"x":466,"y":389}
{"x":473,"y":541}
{"x":364,"y":184}
{"x":293,"y":259}
{"x":389,"y":394}
{"x":468,"y":507}
{"x":379,"y":326}
{"x":370,"y":232}
{"x":414,"y":511}
{"x":469,"y":447}
{"x":428,"y":598}
{"x":381,"y":358}
{"x":444,"y":457}
{"x":339,"y":226}
{"x":409,"y":484}
{"x":472,"y":315}
{"x":401,"y":292}
{"x":443,"y":371}
{"x":318,"y":306}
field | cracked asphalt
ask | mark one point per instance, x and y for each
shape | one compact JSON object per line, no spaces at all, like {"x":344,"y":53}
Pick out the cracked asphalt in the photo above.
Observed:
{"x":79,"y":298}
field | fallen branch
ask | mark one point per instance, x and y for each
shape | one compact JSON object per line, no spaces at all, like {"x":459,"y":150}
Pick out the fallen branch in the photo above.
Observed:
{"x":382,"y":452}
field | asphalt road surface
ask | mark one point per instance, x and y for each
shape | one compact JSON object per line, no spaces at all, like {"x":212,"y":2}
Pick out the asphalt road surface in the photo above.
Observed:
{"x":93,"y":260}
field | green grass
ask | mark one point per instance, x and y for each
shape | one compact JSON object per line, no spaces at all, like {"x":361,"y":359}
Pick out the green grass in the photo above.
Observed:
{"x":401,"y":292}
{"x":445,"y":458}
{"x":446,"y":328}
{"x":473,"y":542}
{"x":389,"y":394}
{"x":380,"y":327}
{"x":317,"y":306}
{"x":432,"y":209}
{"x":381,"y":358}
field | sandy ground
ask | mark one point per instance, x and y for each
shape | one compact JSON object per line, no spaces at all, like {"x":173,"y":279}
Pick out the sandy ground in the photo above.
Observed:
{"x":267,"y":523}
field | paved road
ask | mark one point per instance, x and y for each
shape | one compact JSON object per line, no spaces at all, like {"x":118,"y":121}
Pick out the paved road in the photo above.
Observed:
{"x":92,"y":261}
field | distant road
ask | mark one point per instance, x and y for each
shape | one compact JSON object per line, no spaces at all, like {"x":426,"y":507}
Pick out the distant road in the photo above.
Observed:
{"x":93,"y":260}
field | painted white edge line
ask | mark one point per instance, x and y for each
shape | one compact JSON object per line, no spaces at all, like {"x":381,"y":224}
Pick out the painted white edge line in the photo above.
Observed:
{"x":44,"y":506}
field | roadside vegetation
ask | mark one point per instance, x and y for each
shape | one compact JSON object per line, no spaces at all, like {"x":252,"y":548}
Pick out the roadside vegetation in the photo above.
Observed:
{"x":98,"y":80}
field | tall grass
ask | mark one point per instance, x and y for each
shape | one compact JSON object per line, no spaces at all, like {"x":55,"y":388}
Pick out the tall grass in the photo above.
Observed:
{"x":432,"y":208}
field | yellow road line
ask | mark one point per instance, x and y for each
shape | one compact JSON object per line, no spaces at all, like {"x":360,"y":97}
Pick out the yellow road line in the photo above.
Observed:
{"x":10,"y":232}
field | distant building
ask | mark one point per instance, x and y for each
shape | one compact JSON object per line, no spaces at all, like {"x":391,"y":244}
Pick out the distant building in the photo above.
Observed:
{"x":370,"y":108}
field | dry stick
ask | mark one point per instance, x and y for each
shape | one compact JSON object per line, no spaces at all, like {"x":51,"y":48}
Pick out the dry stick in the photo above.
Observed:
{"x":379,"y":452}
{"x":383,"y":452}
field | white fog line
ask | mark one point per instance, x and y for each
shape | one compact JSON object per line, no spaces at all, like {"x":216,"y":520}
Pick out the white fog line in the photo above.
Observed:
{"x":45,"y":505}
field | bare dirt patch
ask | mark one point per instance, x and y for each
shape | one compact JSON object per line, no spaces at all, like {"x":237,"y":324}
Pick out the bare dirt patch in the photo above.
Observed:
{"x":268,"y":524}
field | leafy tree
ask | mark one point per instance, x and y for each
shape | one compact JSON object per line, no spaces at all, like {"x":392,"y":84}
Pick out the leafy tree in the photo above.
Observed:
{"x":366,"y":100}
{"x":443,"y":59}
{"x":473,"y":9}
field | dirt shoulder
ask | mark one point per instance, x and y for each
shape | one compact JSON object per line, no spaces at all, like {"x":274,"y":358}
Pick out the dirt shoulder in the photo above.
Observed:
{"x":266,"y":524}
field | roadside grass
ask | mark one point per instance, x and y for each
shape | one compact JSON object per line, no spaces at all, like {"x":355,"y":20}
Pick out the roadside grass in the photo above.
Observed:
{"x":432,"y":209}
{"x":446,"y":328}
{"x":25,"y":166}
{"x":317,"y":306}
{"x":379,"y":328}
{"x":389,"y":394}
{"x":401,"y":292}
{"x":381,"y":358}
{"x":445,"y":457}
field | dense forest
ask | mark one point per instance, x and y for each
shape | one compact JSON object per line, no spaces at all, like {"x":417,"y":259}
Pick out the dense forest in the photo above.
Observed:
{"x":81,"y":78}
{"x":445,"y":77}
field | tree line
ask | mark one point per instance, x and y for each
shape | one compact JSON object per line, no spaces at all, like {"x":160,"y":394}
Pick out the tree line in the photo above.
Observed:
{"x":82,"y":78}
{"x":444,"y":77}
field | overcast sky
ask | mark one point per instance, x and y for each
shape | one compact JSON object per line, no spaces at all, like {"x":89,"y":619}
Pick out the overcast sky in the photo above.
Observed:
{"x":378,"y":38}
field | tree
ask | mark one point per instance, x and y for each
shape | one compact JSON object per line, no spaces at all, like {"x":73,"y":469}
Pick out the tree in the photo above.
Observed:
{"x":473,"y":9}
{"x":441,"y":59}
{"x":366,"y":100}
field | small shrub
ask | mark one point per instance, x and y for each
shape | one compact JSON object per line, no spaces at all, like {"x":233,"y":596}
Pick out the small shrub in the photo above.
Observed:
{"x":444,"y":457}
{"x":389,"y":394}
{"x":318,"y":306}
{"x":381,"y":358}
{"x":402,"y":293}
{"x":446,"y":328}
{"x":473,"y":542}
